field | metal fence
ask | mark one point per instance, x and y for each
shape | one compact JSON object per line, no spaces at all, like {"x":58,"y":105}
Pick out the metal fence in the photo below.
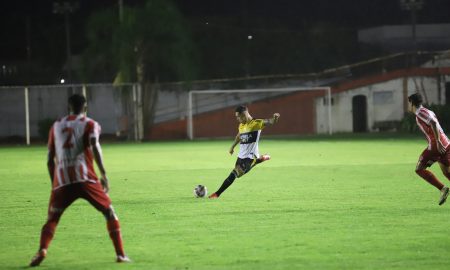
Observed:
{"x":26,"y":113}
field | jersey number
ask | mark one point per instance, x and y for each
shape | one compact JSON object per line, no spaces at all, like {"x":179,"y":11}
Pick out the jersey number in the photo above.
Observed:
{"x":68,"y":143}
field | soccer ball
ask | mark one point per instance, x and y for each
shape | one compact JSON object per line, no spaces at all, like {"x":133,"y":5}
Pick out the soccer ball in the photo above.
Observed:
{"x":200,"y":191}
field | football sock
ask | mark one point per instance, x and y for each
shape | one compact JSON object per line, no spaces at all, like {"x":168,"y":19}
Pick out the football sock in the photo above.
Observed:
{"x":47,"y":232}
{"x":430,"y":178}
{"x":115,"y":235}
{"x":226,"y":183}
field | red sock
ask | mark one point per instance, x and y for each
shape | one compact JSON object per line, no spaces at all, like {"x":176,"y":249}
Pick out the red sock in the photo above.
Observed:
{"x":430,"y":178}
{"x":47,"y":232}
{"x":116,"y":237}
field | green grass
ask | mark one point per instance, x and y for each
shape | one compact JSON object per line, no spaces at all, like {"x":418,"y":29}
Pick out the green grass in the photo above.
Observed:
{"x":318,"y":204}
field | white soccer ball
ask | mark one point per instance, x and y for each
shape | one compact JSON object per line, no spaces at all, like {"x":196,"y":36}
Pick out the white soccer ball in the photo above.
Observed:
{"x":200,"y":191}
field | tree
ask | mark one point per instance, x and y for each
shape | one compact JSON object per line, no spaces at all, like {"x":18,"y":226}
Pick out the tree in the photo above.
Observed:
{"x":149,"y":45}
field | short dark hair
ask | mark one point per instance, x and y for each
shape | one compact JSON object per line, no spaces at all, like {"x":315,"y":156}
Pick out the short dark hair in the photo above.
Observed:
{"x":241,"y":109}
{"x":77,"y":103}
{"x":415,"y":99}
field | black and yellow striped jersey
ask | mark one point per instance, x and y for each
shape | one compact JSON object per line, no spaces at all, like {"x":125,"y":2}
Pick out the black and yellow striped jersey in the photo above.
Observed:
{"x":249,"y":135}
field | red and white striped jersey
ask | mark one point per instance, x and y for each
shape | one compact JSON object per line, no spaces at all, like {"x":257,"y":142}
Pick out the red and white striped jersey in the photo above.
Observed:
{"x":69,"y":140}
{"x":424,"y":117}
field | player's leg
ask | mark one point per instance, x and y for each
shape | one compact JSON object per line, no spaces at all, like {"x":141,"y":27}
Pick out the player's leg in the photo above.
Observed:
{"x":95,"y":195}
{"x":426,"y":160}
{"x":429,"y":177}
{"x":113,"y":226}
{"x":445,"y":170}
{"x":242,"y":166}
{"x":261,"y":159}
{"x":445,"y":191}
{"x":237,"y":172}
{"x":444,"y":163}
{"x":60,"y":199}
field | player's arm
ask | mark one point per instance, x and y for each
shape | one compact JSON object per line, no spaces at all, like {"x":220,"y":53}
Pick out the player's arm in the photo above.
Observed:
{"x":51,"y":155}
{"x":273,"y":120}
{"x":440,"y":147}
{"x":237,"y":139}
{"x":98,"y":157}
{"x":51,"y":164}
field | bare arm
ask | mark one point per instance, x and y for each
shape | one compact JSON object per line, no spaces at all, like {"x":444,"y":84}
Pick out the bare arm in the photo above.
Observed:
{"x":237,"y":139}
{"x":51,"y":155}
{"x":273,"y":120}
{"x":51,"y":164}
{"x":96,"y":148}
{"x":440,"y":147}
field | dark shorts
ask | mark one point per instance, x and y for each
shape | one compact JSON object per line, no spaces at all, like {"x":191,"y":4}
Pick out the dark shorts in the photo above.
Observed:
{"x":428,"y":157}
{"x":246,"y":164}
{"x":63,"y":197}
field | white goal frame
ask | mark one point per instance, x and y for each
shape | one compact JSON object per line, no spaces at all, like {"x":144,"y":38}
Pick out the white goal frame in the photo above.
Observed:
{"x":190,"y":124}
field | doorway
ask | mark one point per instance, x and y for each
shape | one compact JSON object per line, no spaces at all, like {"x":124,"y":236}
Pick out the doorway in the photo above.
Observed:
{"x":359,"y":105}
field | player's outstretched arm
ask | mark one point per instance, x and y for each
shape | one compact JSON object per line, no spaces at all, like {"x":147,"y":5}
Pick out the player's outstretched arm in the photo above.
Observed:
{"x":98,"y":157}
{"x":273,"y":120}
{"x":237,"y":139}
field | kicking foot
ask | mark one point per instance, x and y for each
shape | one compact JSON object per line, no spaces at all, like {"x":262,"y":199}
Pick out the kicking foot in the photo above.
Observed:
{"x":213,"y":196}
{"x":38,"y":258}
{"x":444,"y":194}
{"x":123,"y":259}
{"x":265,"y":157}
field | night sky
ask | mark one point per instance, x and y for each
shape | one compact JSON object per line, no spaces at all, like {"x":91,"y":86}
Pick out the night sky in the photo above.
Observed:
{"x":256,"y":15}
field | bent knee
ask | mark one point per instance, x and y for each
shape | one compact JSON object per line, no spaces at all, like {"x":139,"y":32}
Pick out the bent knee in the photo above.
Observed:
{"x":238,"y":172}
{"x":421,"y":168}
{"x":54,"y":214}
{"x":419,"y":171}
{"x":110,"y":214}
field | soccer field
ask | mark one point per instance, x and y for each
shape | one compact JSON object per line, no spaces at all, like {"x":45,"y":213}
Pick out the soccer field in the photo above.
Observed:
{"x":318,"y":204}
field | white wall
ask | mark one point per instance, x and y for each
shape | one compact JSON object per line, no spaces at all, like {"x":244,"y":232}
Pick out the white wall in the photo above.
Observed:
{"x":50,"y":102}
{"x":385,"y":102}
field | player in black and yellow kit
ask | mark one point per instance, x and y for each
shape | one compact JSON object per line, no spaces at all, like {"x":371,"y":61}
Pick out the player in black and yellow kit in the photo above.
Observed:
{"x":248,"y":137}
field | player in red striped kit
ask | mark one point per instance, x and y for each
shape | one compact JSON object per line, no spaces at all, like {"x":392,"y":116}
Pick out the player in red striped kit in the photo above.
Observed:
{"x":438,"y":149}
{"x":72,"y":146}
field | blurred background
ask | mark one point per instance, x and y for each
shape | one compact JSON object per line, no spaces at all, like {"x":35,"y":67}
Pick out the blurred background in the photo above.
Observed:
{"x":333,"y":66}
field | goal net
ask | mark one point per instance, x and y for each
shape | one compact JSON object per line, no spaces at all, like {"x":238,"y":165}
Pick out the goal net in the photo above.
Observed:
{"x":304,"y":110}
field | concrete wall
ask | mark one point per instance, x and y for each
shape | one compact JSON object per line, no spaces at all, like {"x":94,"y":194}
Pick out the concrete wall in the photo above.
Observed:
{"x":302,"y":112}
{"x":114,"y":108}
{"x":385,"y":101}
{"x":106,"y":104}
{"x":297,"y":118}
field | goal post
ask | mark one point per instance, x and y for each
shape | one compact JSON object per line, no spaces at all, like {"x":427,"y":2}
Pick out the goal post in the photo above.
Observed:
{"x":275,"y":91}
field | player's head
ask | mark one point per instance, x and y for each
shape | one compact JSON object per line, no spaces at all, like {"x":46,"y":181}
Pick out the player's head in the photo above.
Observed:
{"x":241,"y":109}
{"x":415,"y":100}
{"x":77,"y":103}
{"x":242,"y":114}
